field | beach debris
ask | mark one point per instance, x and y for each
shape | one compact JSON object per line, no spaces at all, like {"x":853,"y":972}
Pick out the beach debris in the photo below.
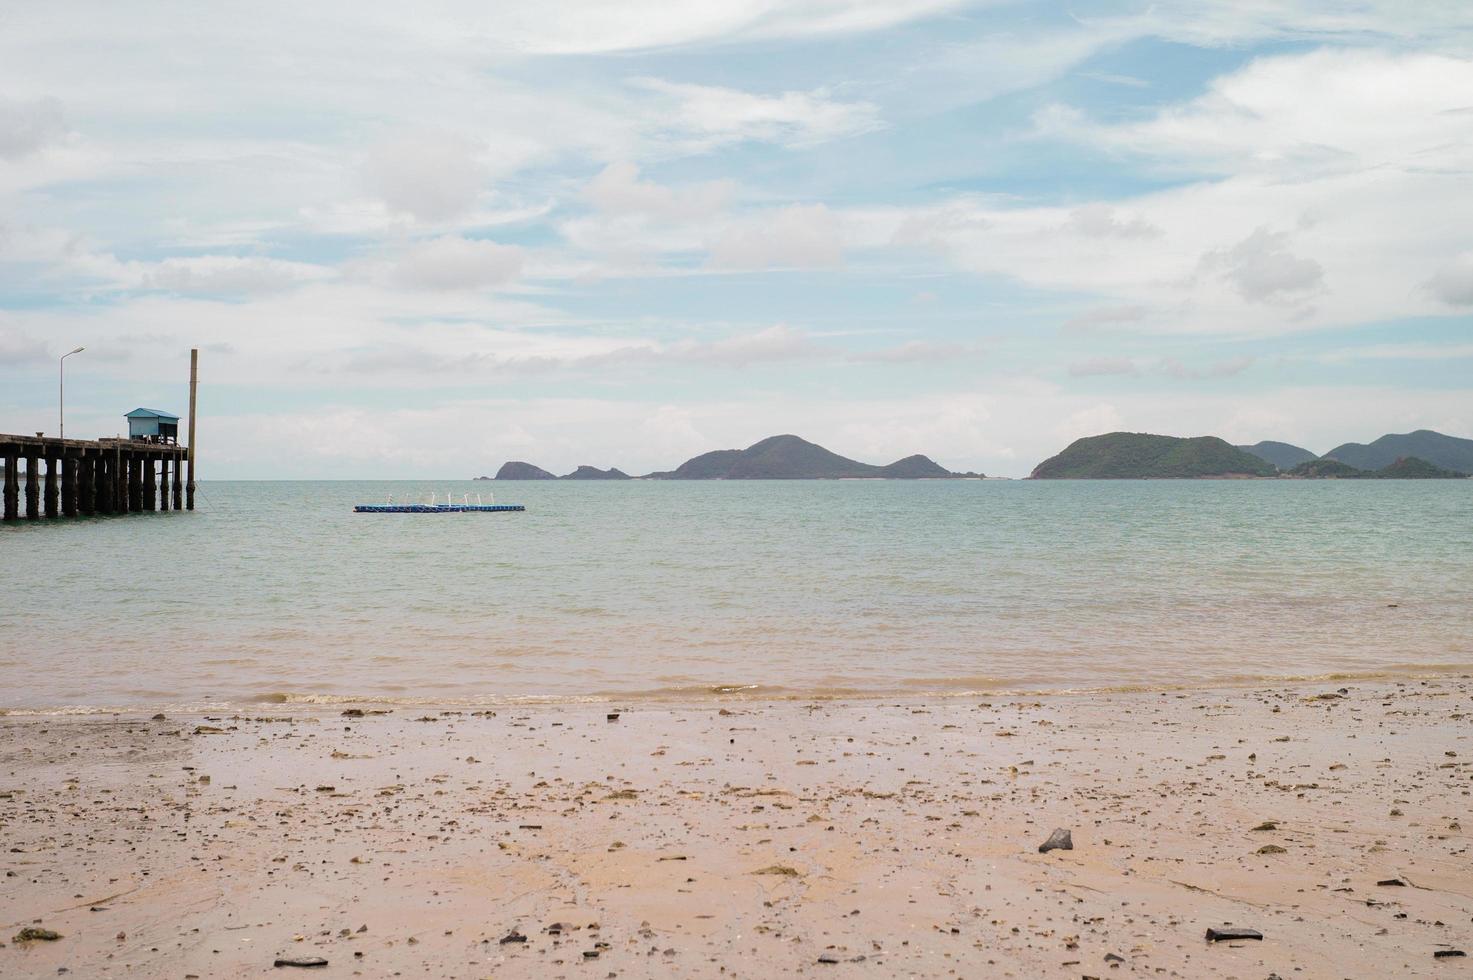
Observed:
{"x":1268,"y":825}
{"x":1114,"y":958}
{"x":779,"y":869}
{"x":304,"y":962}
{"x":1442,"y":954}
{"x":513,"y":937}
{"x":1229,"y":933}
{"x":612,"y":716}
{"x":159,"y":717}
{"x":36,"y":934}
{"x":828,"y":958}
{"x":1392,"y":883}
{"x":1060,"y":840}
{"x":1271,"y":849}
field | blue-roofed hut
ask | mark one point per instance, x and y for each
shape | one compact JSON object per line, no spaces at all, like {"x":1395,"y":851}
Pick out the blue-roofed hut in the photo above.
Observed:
{"x":151,"y":425}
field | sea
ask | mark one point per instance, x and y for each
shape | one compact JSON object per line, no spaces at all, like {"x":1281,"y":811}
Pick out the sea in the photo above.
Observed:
{"x":277,"y":593}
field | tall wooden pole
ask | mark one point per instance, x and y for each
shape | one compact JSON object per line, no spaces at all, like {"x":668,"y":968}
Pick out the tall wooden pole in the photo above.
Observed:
{"x":193,"y":388}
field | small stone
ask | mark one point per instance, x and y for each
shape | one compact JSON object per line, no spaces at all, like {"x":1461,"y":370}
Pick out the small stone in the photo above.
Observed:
{"x":513,"y":937}
{"x":1392,"y":883}
{"x":828,"y":958}
{"x":1060,"y":840}
{"x":1445,"y":953}
{"x":1271,"y":849}
{"x":305,"y":962}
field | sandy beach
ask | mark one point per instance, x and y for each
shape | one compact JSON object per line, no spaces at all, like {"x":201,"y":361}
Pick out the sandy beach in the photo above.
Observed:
{"x":753,"y":838}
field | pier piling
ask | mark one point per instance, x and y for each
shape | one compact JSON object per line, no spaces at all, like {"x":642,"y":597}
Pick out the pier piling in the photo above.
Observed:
{"x":52,"y":464}
{"x":33,"y":491}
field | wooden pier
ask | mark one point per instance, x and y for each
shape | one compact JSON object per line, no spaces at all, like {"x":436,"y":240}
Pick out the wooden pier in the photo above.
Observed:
{"x":83,"y":478}
{"x":151,"y":472}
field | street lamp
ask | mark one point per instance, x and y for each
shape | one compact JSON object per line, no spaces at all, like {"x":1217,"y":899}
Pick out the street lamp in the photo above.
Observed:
{"x":61,"y":391}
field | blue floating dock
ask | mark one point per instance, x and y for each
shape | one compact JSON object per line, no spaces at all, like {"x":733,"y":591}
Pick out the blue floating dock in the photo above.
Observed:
{"x":433,"y":508}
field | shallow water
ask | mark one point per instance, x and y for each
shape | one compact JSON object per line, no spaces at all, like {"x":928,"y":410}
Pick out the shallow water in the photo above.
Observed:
{"x":277,"y":592}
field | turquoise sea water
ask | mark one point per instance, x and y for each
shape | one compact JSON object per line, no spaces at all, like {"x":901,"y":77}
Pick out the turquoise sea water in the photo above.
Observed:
{"x":278,"y":592}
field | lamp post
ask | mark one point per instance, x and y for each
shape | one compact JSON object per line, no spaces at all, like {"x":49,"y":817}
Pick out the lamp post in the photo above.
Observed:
{"x":61,"y":391}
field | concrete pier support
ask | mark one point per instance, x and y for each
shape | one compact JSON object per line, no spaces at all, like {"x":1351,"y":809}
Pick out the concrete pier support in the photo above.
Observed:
{"x":12,"y":487}
{"x":105,"y":482}
{"x":150,"y":489}
{"x":53,"y":464}
{"x":33,"y":489}
{"x":87,"y":474}
{"x":178,"y":485}
{"x":135,"y":484}
{"x":164,"y":483}
{"x":69,"y":489}
{"x":122,"y":477}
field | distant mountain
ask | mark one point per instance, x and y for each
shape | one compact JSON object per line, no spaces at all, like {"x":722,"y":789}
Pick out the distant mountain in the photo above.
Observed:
{"x":1142,"y":456}
{"x":594,"y":473}
{"x":1282,"y":454}
{"x":517,"y":470}
{"x":1409,"y":468}
{"x":915,"y":467}
{"x":791,"y":458}
{"x":1447,"y":452}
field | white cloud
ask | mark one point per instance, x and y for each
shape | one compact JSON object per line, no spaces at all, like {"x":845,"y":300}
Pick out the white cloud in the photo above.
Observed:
{"x":1226,"y":368}
{"x":1453,"y":283}
{"x":18,"y":349}
{"x":226,"y":274}
{"x":432,"y":176}
{"x":916,"y":352}
{"x":452,"y":262}
{"x":1273,"y":238}
{"x":592,"y":26}
{"x":799,"y":236}
{"x":618,"y":190}
{"x":705,"y":116}
{"x":1103,"y":221}
{"x":1263,"y":270}
{"x":28,"y":125}
{"x":1321,"y":112}
{"x":1103,"y":366}
{"x":776,"y":343}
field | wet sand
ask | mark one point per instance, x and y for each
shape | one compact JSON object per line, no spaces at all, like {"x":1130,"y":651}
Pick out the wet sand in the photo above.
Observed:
{"x":835,"y":838}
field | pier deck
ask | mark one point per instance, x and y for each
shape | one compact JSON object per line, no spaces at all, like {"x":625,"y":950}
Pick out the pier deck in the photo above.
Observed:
{"x":85,"y":477}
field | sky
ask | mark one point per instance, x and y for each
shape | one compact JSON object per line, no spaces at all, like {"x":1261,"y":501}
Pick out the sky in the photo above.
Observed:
{"x":415,"y":241}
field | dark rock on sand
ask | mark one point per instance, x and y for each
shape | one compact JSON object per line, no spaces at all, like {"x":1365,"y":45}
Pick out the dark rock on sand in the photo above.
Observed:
{"x":513,"y":937}
{"x":1059,"y":840}
{"x":306,"y":962}
{"x":1226,"y":934}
